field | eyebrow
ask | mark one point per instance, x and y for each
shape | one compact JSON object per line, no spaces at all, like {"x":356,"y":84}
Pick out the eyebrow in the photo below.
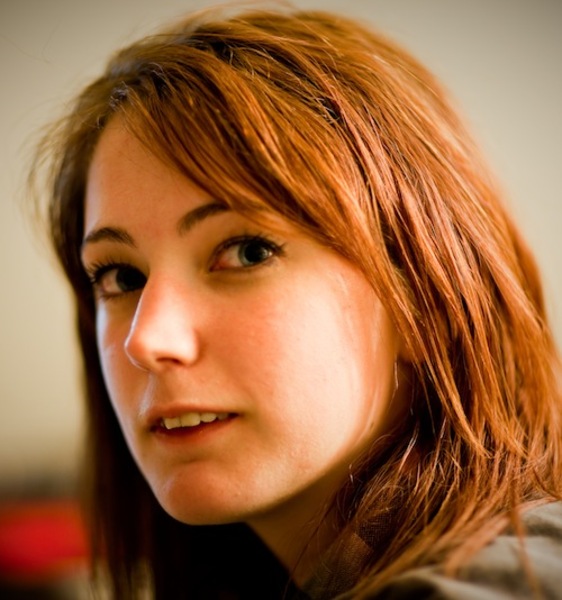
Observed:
{"x":200,"y":213}
{"x":185,"y":224}
{"x":111,"y":234}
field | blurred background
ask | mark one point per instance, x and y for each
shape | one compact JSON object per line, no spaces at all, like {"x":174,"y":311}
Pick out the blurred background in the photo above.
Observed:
{"x":500,"y":59}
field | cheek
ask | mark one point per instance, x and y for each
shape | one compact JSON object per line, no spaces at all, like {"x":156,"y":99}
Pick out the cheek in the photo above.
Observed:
{"x":117,"y":371}
{"x":276,"y":339}
{"x":107,"y":340}
{"x":319,"y":362}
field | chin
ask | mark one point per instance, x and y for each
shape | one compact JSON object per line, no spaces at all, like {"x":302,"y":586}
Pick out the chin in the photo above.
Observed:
{"x":200,"y":508}
{"x":193,"y":515}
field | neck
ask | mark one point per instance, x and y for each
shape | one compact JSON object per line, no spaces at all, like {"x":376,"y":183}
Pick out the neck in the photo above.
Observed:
{"x":295,"y":537}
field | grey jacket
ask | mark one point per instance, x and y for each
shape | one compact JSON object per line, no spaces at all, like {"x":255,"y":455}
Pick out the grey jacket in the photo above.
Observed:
{"x":494,"y":573}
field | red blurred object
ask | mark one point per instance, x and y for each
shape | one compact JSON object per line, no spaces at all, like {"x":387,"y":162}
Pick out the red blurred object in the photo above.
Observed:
{"x":41,"y":540}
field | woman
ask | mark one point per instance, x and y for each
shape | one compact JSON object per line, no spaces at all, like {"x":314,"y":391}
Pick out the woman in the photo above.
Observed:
{"x":318,"y":363}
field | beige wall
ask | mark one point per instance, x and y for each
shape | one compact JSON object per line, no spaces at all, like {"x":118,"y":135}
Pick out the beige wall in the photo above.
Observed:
{"x":502,"y":59}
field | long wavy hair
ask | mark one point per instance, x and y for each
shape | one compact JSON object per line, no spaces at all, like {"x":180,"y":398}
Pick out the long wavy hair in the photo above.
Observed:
{"x":340,"y":131}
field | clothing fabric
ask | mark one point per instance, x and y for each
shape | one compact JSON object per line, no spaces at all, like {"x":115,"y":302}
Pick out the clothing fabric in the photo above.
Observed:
{"x":497,"y":572}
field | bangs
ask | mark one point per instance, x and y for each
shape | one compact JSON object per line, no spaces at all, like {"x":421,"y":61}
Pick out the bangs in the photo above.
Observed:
{"x":224,"y":117}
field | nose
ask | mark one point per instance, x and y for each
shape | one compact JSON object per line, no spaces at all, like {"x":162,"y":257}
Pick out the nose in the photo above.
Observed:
{"x":163,"y":330}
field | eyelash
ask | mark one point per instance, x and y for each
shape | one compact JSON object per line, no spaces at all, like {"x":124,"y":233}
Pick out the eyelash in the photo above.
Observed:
{"x":272,"y":247}
{"x":96,"y":271}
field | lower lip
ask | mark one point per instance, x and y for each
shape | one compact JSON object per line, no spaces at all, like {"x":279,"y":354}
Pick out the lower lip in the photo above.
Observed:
{"x":196,"y":433}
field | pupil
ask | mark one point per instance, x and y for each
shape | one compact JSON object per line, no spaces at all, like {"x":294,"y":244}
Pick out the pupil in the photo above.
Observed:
{"x":129,"y":279}
{"x":254,"y":252}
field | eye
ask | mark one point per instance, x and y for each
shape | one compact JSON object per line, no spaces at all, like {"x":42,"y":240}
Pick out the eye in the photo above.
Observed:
{"x":114,"y":280}
{"x":244,"y":252}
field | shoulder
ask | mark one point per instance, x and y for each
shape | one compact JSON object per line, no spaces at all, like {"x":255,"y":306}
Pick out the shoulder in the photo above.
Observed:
{"x":497,"y":572}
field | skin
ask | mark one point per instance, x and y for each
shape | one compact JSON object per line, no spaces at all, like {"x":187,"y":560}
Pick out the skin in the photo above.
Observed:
{"x":295,"y":347}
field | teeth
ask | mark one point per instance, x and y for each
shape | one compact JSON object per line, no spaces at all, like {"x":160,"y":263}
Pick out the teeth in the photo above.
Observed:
{"x":192,"y":419}
{"x":208,"y":417}
{"x":172,"y":423}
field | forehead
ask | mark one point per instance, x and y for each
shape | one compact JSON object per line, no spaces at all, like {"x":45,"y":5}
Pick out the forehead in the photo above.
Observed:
{"x":127,"y":182}
{"x":120,"y":157}
{"x":125,"y":176}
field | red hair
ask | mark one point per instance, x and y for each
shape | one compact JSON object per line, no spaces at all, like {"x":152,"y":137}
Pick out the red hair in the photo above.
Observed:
{"x":343,"y":133}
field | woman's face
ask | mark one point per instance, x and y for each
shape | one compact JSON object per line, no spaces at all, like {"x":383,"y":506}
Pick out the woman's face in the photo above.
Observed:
{"x":247,"y":364}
